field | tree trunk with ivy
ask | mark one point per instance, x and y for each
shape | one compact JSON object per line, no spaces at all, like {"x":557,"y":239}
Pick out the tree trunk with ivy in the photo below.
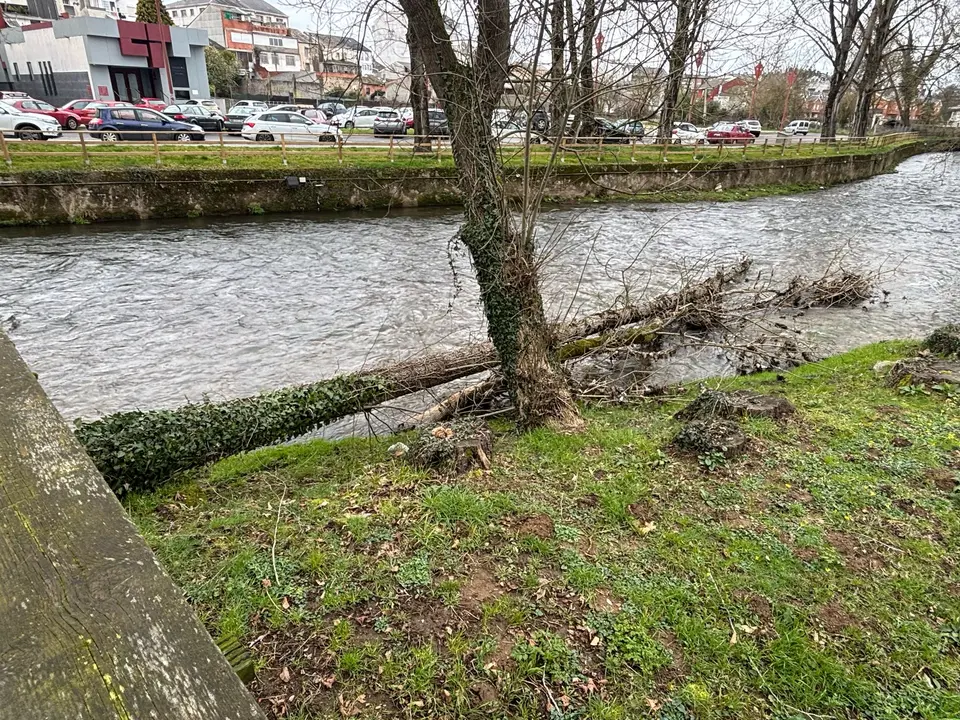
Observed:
{"x":418,"y":99}
{"x":503,"y":256}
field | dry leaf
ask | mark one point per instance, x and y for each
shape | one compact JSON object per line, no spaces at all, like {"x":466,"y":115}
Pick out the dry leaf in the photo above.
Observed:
{"x":328,"y":682}
{"x":285,"y":603}
{"x":734,"y":638}
{"x":285,"y":674}
{"x":266,"y":582}
{"x":747,"y":629}
{"x":648,"y":528}
{"x":653,"y":704}
{"x":595,"y":641}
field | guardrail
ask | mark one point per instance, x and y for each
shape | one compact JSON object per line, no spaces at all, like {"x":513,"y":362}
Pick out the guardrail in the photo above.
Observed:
{"x":152,"y":149}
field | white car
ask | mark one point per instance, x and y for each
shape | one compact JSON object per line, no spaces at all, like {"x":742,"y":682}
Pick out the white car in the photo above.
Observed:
{"x":289,"y":108}
{"x":797,"y":127}
{"x":269,"y":126}
{"x":250,"y":103}
{"x":686,"y":133}
{"x":358,"y":117}
{"x":208,"y":103}
{"x":753,"y":126}
{"x":27,"y":126}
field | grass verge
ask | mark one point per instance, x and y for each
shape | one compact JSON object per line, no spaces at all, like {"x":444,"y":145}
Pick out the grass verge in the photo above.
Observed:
{"x":601,"y":575}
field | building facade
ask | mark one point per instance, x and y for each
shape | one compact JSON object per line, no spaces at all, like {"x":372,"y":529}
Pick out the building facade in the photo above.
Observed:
{"x":104,"y":59}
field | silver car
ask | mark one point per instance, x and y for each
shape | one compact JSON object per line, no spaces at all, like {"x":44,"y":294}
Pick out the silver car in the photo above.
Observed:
{"x":389,"y":122}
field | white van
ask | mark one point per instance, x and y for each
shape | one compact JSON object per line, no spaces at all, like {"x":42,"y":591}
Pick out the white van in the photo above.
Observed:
{"x":797,"y":127}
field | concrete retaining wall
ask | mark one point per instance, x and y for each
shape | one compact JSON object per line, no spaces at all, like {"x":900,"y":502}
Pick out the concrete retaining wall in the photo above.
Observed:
{"x":90,"y":196}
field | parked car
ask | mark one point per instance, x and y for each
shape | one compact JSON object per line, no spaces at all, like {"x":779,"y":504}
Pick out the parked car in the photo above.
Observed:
{"x":796,"y":127}
{"x":357,"y":117}
{"x":27,"y":126}
{"x":8,"y":95}
{"x":730,"y":133}
{"x":196,"y":114}
{"x":540,"y":121}
{"x":114,"y":123}
{"x":290,"y":108}
{"x":249,"y":103}
{"x":632,"y":127}
{"x":407,"y":114}
{"x":605,"y":131}
{"x":267,"y":126}
{"x":332,"y":109}
{"x":389,"y":122}
{"x":437,"y":123}
{"x":315,"y":115}
{"x":233,"y":122}
{"x":687,"y":133}
{"x":30,"y":106}
{"x":152,"y":103}
{"x":208,"y":103}
{"x":753,"y":126}
{"x":87,"y":109}
{"x":511,"y":133}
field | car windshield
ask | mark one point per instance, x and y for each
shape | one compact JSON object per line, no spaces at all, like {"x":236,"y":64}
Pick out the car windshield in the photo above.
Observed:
{"x":387,"y":115}
{"x":8,"y":107}
{"x":241,"y":112}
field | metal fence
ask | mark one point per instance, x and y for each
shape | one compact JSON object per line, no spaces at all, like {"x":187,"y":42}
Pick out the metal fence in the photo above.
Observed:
{"x":152,"y":149}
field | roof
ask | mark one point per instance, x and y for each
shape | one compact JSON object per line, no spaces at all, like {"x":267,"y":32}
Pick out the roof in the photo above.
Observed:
{"x":330,"y":42}
{"x":256,"y":6}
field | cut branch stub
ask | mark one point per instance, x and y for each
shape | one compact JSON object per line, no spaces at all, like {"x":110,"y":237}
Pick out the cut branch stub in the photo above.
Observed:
{"x":454,"y":447}
{"x":719,"y":405}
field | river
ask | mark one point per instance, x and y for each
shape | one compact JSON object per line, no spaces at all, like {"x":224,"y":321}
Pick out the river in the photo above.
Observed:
{"x":121,"y":316}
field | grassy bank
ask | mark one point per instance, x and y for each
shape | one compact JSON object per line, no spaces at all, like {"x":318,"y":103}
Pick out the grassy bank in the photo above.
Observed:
{"x":602,"y":575}
{"x":26,"y":157}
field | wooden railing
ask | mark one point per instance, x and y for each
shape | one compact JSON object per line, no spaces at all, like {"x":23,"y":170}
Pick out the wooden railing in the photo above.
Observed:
{"x":84,"y":148}
{"x":91,"y":627}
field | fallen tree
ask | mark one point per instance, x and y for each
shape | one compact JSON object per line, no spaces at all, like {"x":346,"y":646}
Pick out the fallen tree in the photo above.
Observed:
{"x":142,"y":449}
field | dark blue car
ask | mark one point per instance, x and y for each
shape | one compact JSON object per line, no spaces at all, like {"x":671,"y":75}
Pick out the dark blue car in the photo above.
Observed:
{"x":133,"y":123}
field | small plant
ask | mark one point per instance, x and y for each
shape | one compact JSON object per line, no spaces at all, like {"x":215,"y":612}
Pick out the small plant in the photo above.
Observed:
{"x":913,"y":390}
{"x":712,"y":461}
{"x":545,"y":655}
{"x":660,"y":460}
{"x":415,"y":572}
{"x":255,"y":209}
{"x":948,"y":390}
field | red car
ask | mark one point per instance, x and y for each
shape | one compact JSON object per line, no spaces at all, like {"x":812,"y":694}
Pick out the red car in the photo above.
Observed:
{"x":729,"y":133}
{"x":67,"y":119}
{"x":152,"y":103}
{"x":87,"y":109}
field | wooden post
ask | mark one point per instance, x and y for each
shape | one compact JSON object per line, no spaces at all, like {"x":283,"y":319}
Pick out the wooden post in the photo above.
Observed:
{"x":599,"y":148}
{"x":156,"y":147}
{"x":83,"y":146}
{"x":633,"y":149}
{"x":283,"y":148}
{"x":743,"y":154}
{"x":563,"y":153}
{"x":720,"y":148}
{"x":91,"y":627}
{"x":439,"y":147}
{"x":223,"y":149}
{"x":783,"y":147}
{"x":765,"y":140}
{"x":663,"y":152}
{"x":6,"y":150}
{"x":799,"y":143}
{"x":390,"y":153}
{"x":340,"y":149}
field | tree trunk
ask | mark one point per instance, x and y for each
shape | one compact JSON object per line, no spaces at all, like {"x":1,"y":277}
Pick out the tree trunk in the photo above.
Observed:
{"x":418,"y":100}
{"x":558,"y":103}
{"x":588,"y":93}
{"x":504,"y":258}
{"x":877,"y":42}
{"x":573,"y":90}
{"x":91,"y":628}
{"x":691,"y":14}
{"x":828,"y":127}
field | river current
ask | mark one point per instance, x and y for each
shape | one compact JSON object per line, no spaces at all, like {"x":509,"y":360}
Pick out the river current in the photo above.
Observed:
{"x":144,"y":315}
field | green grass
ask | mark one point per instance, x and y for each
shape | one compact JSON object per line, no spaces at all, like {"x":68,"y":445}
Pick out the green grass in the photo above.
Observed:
{"x":101,"y":156}
{"x":599,"y":575}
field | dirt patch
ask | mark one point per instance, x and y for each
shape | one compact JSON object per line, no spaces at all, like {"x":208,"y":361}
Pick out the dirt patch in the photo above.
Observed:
{"x":900,"y":441}
{"x":799,"y":495}
{"x":678,"y":668}
{"x":430,"y":620}
{"x":479,"y":587}
{"x":540,"y":526}
{"x":911,"y":508}
{"x":889,"y":409}
{"x":758,"y":605}
{"x":644,"y":511}
{"x":485,"y":693}
{"x":943,"y":479}
{"x":834,"y":618}
{"x":604,"y":601}
{"x":856,"y":555}
{"x":807,"y":554}
{"x":736,"y":520}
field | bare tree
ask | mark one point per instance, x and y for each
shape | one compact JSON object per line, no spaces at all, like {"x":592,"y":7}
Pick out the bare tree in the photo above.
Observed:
{"x":503,"y":257}
{"x":877,"y":44}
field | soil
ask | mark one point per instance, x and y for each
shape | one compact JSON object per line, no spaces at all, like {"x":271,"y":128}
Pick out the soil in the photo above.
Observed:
{"x":758,"y":605}
{"x":540,"y":526}
{"x":834,"y":618}
{"x":677,"y":669}
{"x":942,"y":478}
{"x":480,"y":587}
{"x":856,"y":556}
{"x":900,"y":442}
{"x":604,"y":601}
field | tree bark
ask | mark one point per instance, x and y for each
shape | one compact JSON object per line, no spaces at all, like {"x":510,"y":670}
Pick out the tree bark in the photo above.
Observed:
{"x":877,"y":45}
{"x":688,"y":24}
{"x":558,"y":94}
{"x":419,"y":100}
{"x":91,"y":628}
{"x":587,"y":108}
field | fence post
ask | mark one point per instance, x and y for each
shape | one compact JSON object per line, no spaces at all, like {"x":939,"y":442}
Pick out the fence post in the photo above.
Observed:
{"x":599,"y":148}
{"x":799,"y":143}
{"x":340,"y":149}
{"x":6,"y":150}
{"x":391,"y":147}
{"x":563,"y":154}
{"x":223,"y":150}
{"x":283,"y":148}
{"x":633,"y":148}
{"x":663,"y":152}
{"x":439,"y":148}
{"x":765,"y":141}
{"x":783,"y":147}
{"x":83,"y":146}
{"x":743,"y":154}
{"x":720,"y":148}
{"x":156,"y":148}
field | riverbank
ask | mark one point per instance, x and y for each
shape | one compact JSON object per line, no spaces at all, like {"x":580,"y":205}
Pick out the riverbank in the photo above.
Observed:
{"x":603,"y":575}
{"x":46,"y":196}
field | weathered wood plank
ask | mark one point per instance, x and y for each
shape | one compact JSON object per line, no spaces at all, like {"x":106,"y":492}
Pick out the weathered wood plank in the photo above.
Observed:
{"x":91,"y":627}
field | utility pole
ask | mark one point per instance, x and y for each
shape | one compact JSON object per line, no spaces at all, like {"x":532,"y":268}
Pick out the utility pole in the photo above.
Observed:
{"x":757,"y":72}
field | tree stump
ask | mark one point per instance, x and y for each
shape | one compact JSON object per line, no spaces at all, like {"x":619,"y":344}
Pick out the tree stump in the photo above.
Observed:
{"x":712,"y":436}
{"x":944,"y":341}
{"x":454,"y":447}
{"x":716,"y":404}
{"x":925,"y":371}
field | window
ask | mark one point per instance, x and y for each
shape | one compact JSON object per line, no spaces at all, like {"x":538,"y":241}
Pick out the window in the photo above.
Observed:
{"x":174,"y":13}
{"x":191,"y":12}
{"x":125,"y":114}
{"x":16,"y":71}
{"x":29,"y":105}
{"x":276,"y":42}
{"x":149,"y":116}
{"x":276,"y":59}
{"x":291,"y":61}
{"x":30,"y":69}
